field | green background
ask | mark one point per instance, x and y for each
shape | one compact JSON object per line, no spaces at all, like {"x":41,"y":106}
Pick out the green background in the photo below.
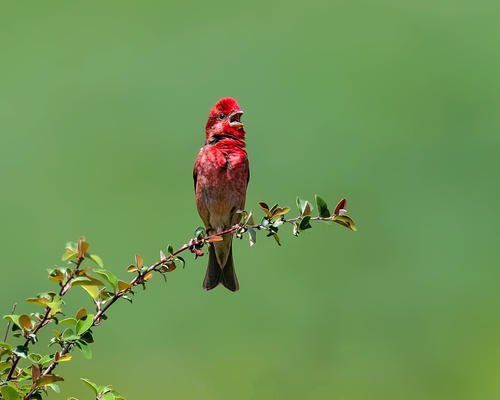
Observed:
{"x":392,"y":104}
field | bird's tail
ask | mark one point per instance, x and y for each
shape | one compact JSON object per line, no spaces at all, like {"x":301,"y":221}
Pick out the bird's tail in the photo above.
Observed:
{"x":215,"y":274}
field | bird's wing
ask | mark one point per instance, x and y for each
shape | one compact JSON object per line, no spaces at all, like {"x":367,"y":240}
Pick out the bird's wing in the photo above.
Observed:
{"x":195,"y":170}
{"x":248,"y":173}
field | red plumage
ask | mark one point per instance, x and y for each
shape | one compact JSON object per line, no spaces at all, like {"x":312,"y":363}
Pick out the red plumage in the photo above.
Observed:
{"x":221,"y":176}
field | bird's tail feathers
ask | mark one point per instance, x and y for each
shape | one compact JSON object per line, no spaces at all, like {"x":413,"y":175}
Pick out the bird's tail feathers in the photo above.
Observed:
{"x":215,"y":274}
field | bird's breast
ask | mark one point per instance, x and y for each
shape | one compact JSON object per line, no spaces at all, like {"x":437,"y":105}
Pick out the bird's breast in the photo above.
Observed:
{"x":222,"y":178}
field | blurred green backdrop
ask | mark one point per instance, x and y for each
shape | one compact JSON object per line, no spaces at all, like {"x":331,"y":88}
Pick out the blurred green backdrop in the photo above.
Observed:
{"x":392,"y":104}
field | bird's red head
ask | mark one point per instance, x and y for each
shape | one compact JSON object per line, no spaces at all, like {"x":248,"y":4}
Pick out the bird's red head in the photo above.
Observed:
{"x":225,"y":117}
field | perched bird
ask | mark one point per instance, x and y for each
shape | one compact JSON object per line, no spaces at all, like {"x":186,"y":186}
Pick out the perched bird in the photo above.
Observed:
{"x":221,"y":177}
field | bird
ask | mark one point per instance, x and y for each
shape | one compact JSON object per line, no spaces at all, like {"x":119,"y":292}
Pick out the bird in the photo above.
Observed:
{"x":221,"y":174}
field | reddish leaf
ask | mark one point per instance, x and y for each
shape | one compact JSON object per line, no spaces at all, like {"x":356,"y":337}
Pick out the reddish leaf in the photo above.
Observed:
{"x":35,"y":372}
{"x":342,"y":205}
{"x":81,"y":313}
{"x":147,"y":276}
{"x":265,"y":208}
{"x":215,"y":239}
{"x":83,"y":246}
{"x":25,"y":321}
{"x":122,"y":285}
{"x":138,"y":261}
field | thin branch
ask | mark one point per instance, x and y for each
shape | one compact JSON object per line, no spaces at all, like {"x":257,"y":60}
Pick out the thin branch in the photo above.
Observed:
{"x":8,"y":323}
{"x":192,"y":245}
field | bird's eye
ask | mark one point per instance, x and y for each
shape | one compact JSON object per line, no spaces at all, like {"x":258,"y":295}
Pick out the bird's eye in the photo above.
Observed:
{"x":222,"y":116}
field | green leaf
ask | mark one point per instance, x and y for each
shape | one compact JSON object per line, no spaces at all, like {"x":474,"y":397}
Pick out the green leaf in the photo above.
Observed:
{"x":21,"y":351}
{"x":63,"y":358}
{"x":85,"y":349}
{"x":170,"y":249}
{"x":304,"y":223}
{"x":69,"y":254}
{"x":55,"y":305}
{"x":98,"y":260}
{"x":346,"y":221}
{"x":304,"y":206}
{"x":277,"y":223}
{"x":104,"y":295}
{"x":322,"y":207}
{"x":69,"y":334}
{"x":13,"y":318}
{"x":9,"y":393}
{"x":129,"y":299}
{"x":45,"y":360}
{"x":84,"y":324}
{"x":48,"y":379}
{"x":80,"y":280}
{"x":91,"y":385}
{"x":87,"y":337}
{"x":199,"y":232}
{"x":108,"y":276}
{"x":181,"y":259}
{"x":5,"y":365}
{"x":277,"y":238}
{"x":55,"y":387}
{"x":67,"y":321}
{"x":252,"y":236}
{"x":86,"y":280}
{"x":70,"y":246}
{"x":42,"y":301}
{"x":34,"y":357}
{"x":108,"y":396}
{"x":93,"y":291}
{"x":5,"y":346}
{"x":132,"y":268}
{"x":248,"y":219}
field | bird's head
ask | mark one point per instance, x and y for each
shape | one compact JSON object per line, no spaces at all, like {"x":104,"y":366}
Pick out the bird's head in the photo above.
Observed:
{"x":225,"y":117}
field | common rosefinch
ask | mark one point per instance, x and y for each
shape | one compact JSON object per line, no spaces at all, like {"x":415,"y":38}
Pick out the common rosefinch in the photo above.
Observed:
{"x":220,"y":182}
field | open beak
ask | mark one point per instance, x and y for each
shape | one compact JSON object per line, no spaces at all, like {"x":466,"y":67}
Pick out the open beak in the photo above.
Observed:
{"x":234,"y":119}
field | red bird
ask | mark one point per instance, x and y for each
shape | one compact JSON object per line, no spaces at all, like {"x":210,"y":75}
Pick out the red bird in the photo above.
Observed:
{"x":221,"y":177}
